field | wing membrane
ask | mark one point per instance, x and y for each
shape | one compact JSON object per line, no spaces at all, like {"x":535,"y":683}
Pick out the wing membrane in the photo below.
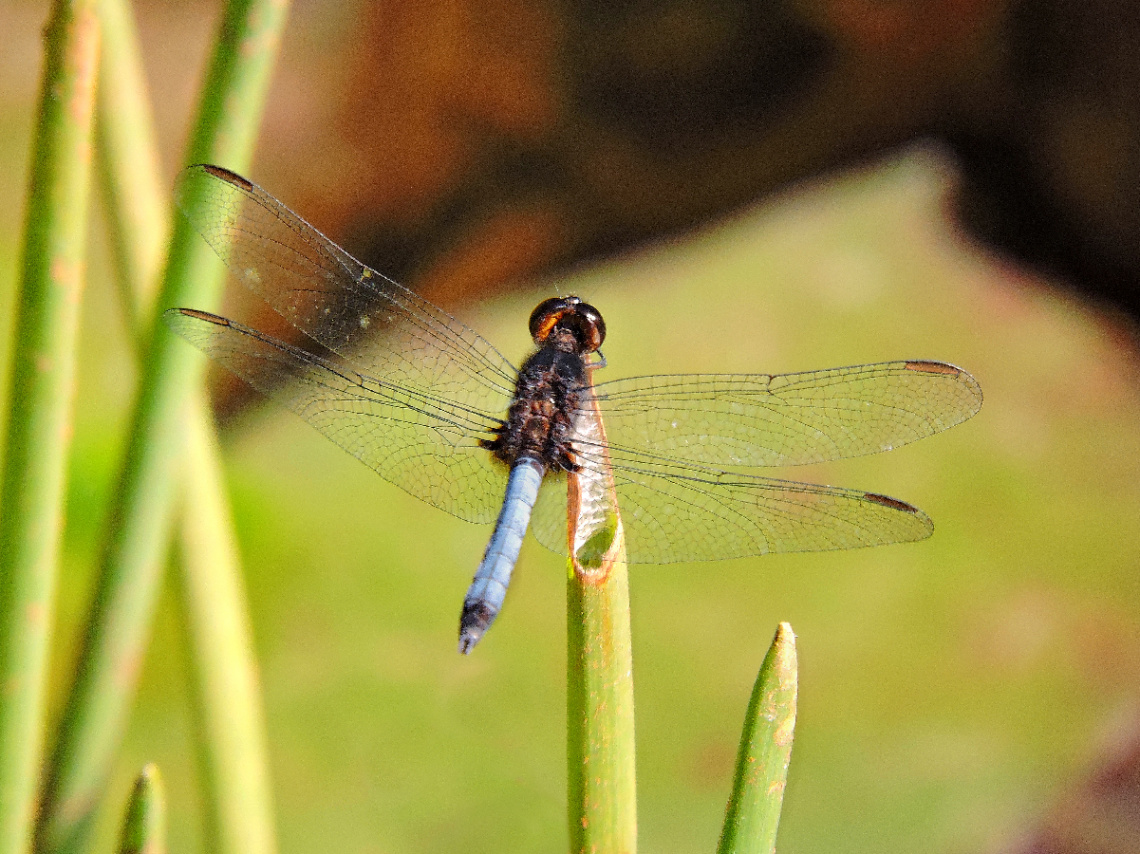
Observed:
{"x":673,"y":512}
{"x":788,"y":419}
{"x":422,"y":442}
{"x":411,"y":391}
{"x":382,"y":327}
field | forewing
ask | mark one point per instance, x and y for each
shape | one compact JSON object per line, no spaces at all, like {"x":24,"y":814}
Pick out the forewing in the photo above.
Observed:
{"x":418,"y":440}
{"x":384,"y":329}
{"x":788,"y":419}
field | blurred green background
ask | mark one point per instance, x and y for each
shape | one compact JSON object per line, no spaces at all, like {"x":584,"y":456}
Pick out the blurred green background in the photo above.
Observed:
{"x":951,"y":691}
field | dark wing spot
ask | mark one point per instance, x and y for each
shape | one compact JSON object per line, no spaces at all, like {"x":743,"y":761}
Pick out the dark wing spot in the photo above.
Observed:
{"x":200,"y":315}
{"x":933,"y":368}
{"x":227,"y":176}
{"x":887,"y":501}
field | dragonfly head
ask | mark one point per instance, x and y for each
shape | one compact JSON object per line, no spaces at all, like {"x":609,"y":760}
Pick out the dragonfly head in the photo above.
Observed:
{"x":571,"y":319}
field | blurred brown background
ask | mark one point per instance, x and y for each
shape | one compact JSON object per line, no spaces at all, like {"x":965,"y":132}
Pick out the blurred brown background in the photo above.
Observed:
{"x":474,"y":143}
{"x":465,"y":147}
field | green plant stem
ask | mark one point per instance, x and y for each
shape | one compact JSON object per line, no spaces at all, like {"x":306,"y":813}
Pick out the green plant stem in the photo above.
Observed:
{"x":232,"y":744}
{"x":144,"y":827}
{"x":601,"y":779}
{"x":222,"y":664}
{"x":97,"y":707}
{"x":39,"y":413}
{"x":602,"y":796}
{"x":135,"y":197}
{"x":753,"y":814}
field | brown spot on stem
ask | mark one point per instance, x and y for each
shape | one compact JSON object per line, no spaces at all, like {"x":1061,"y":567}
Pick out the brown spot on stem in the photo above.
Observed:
{"x":784,"y":732}
{"x":36,"y":613}
{"x":66,"y":273}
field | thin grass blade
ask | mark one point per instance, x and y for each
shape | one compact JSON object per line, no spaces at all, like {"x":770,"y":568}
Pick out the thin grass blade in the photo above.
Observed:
{"x":135,"y":196}
{"x":223,"y":669}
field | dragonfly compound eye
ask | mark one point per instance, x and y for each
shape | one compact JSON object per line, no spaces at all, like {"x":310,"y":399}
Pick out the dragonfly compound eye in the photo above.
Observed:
{"x":571,"y":314}
{"x":590,"y":327}
{"x":547,"y":314}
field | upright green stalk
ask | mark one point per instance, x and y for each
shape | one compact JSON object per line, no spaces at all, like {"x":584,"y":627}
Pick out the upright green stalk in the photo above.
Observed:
{"x":223,"y":669}
{"x":601,"y":780}
{"x":232,"y":744}
{"x":137,"y":199}
{"x":130,"y":569}
{"x":39,"y":413}
{"x":753,"y":813}
{"x":602,"y":792}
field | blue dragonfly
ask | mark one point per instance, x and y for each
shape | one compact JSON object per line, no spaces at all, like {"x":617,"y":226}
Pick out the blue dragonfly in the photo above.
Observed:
{"x":435,"y":409}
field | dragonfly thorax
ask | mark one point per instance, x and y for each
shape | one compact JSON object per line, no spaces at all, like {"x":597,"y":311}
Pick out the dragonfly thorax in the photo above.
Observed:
{"x":540,"y":418}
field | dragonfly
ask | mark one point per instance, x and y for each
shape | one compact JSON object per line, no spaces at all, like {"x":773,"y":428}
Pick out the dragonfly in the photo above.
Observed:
{"x":436,"y":410}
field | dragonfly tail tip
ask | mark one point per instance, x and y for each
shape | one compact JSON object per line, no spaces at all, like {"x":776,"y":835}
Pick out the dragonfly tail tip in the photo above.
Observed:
{"x":477,"y":618}
{"x":467,"y":641}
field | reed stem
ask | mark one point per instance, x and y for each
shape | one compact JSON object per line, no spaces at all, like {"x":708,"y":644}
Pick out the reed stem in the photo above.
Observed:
{"x":40,"y":406}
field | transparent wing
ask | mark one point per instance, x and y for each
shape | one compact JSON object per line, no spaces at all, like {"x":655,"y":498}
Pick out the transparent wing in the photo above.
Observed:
{"x":789,"y":419}
{"x":423,"y":442}
{"x":384,"y":329}
{"x":415,"y":399}
{"x":673,"y":512}
{"x":548,"y":519}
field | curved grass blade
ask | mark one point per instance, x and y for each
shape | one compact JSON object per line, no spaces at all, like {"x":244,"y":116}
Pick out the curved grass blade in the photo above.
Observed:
{"x":39,"y":411}
{"x":753,"y":814}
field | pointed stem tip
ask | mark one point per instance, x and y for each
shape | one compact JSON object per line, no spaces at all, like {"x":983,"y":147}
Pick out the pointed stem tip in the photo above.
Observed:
{"x":753,"y":813}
